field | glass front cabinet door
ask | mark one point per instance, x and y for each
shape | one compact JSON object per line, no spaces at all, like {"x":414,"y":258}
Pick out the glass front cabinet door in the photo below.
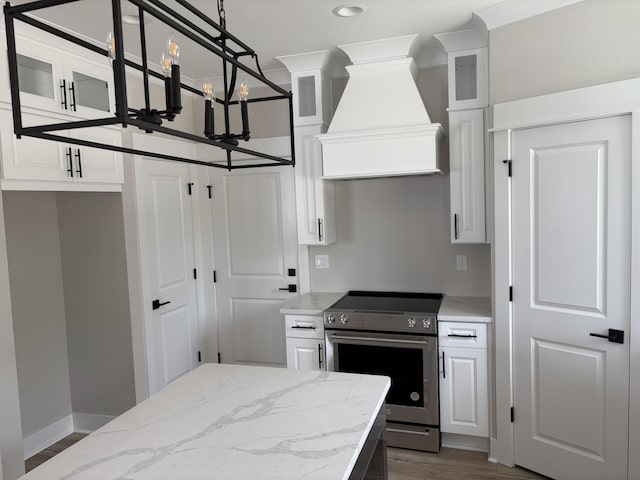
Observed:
{"x":467,"y":84}
{"x":60,"y":82}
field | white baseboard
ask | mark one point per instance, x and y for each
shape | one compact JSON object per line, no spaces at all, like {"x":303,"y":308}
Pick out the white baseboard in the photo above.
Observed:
{"x":75,"y":422}
{"x":465,"y":442}
{"x":46,"y":436}
{"x":89,"y":422}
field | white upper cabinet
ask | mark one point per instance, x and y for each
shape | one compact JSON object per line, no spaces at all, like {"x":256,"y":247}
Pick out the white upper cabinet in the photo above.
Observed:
{"x":36,"y":164}
{"x":468,"y":98}
{"x":467,"y":175}
{"x":315,"y":197}
{"x":56,"y":81}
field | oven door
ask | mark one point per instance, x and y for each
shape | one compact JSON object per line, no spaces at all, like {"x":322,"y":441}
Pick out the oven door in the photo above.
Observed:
{"x":411,"y":361}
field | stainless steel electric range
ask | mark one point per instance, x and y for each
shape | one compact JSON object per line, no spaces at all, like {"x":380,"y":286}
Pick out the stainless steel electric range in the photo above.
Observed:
{"x":393,"y":334}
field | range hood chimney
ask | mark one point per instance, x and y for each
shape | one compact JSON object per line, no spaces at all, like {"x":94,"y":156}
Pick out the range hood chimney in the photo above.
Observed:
{"x":381,"y":127}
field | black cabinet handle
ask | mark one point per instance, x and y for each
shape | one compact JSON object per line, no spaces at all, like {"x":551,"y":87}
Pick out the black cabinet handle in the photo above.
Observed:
{"x":69,"y":162}
{"x":444,"y":368}
{"x":615,"y":336}
{"x":79,"y":159}
{"x":319,"y":229}
{"x":72,"y":90}
{"x":462,"y":336}
{"x":63,"y":87}
{"x":320,"y":355}
{"x":155,"y":305}
{"x":304,"y":328}
{"x":292,"y":288}
{"x":455,"y":226}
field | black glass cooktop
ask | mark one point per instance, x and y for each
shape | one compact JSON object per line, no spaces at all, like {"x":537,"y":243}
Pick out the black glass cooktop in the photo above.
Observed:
{"x":396,"y":302}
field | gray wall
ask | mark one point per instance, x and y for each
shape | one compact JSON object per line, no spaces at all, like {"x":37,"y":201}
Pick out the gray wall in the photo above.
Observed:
{"x":37,"y":301}
{"x":11,"y":432}
{"x":393,"y":234}
{"x":588,"y":43}
{"x":96,"y":302}
{"x":69,"y":299}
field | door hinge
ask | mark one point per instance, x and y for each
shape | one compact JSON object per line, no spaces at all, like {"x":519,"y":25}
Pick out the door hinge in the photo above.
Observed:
{"x":209,"y":189}
{"x":215,"y":277}
{"x":199,"y":356}
{"x":195,"y":274}
{"x":510,"y":293}
{"x":189,"y":185}
{"x":508,"y":162}
{"x":512,"y":415}
{"x":219,"y":358}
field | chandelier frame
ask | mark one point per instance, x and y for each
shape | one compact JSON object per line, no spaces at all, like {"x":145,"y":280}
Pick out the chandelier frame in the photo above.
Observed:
{"x":230,"y":50}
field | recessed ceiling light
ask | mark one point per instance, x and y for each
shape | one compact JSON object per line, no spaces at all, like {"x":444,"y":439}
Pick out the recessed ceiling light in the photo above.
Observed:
{"x":349,"y":10}
{"x":135,"y":20}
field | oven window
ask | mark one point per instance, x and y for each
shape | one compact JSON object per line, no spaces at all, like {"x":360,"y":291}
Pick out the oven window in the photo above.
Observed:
{"x":402,"y":365}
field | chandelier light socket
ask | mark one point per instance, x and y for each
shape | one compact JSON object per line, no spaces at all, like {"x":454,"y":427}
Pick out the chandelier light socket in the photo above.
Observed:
{"x":208,"y":119}
{"x":176,"y":98}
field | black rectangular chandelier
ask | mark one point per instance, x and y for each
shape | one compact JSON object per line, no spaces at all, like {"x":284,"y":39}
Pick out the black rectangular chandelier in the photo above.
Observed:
{"x":220,"y":45}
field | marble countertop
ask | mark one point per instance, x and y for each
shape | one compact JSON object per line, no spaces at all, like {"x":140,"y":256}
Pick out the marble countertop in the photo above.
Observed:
{"x":465,"y":309}
{"x":232,"y":422}
{"x":313,"y":303}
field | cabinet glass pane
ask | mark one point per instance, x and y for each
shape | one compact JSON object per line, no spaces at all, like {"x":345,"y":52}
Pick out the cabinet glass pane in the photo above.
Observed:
{"x":91,"y":92}
{"x":307,"y":96}
{"x":35,"y":77}
{"x":466,"y":77}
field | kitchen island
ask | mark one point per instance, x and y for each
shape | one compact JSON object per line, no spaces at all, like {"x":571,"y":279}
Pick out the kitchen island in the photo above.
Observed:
{"x":239,"y":422}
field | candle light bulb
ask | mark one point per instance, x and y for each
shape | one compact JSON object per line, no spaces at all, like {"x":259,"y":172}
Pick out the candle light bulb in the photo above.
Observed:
{"x":111,"y":47}
{"x":243,"y":90}
{"x":208,"y":91}
{"x":173,"y":50}
{"x":165,"y":63}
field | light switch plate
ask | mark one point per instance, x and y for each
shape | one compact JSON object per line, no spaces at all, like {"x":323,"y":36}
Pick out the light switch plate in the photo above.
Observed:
{"x":322,"y":261}
{"x":461,"y":262}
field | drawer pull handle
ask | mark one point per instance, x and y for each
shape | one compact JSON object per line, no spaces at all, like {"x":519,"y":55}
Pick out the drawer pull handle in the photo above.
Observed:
{"x":462,"y":336}
{"x":304,"y":327}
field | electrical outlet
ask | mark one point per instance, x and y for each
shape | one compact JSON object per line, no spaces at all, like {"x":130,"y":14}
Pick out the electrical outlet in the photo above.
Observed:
{"x":461,"y":262}
{"x":322,"y":261}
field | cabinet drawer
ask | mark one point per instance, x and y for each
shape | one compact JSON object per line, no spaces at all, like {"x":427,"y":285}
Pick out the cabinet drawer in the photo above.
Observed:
{"x":304,"y":326}
{"x":458,"y":334}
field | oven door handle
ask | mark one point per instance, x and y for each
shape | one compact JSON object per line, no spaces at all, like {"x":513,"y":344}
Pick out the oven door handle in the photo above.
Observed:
{"x":335,"y":336}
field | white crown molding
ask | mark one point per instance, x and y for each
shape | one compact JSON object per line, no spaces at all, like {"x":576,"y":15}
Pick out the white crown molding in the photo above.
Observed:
{"x":305,"y":61}
{"x":511,"y":11}
{"x":461,"y":40}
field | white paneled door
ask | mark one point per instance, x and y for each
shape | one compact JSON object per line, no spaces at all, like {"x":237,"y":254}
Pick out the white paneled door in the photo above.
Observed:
{"x":167,"y":215}
{"x":255,"y":246}
{"x":571,"y":215}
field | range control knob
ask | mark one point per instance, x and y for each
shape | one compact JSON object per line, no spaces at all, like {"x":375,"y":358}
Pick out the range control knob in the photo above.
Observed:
{"x":411,"y":322}
{"x":344,"y":319}
{"x":426,"y":323}
{"x":331,"y":318}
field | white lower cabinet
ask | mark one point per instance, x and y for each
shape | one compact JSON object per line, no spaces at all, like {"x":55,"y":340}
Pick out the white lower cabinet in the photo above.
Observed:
{"x":305,"y":342}
{"x":464,"y":389}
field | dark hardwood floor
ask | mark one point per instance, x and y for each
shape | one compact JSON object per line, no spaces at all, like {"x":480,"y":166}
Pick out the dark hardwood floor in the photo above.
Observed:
{"x":449,"y":464}
{"x":41,"y":457}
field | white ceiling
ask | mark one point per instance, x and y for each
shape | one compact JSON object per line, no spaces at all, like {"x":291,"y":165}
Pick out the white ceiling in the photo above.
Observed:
{"x":280,"y":27}
{"x":283,"y":27}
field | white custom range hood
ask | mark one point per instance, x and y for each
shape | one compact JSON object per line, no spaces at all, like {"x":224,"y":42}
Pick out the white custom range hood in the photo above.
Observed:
{"x":381,"y":127}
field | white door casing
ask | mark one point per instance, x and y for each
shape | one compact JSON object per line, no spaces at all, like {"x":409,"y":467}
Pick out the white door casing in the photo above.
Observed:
{"x":571,"y":212}
{"x":255,"y":245}
{"x":168,"y":262}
